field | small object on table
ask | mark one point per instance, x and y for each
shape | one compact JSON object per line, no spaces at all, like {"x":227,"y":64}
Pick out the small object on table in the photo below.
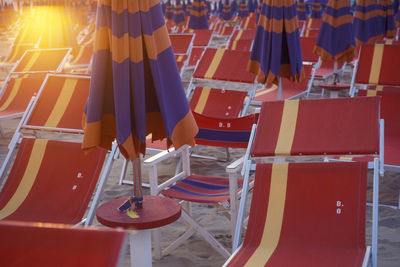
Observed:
{"x":157,"y":211}
{"x":334,"y":88}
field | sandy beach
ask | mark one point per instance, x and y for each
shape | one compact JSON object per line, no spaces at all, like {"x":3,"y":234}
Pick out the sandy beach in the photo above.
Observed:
{"x":195,"y":251}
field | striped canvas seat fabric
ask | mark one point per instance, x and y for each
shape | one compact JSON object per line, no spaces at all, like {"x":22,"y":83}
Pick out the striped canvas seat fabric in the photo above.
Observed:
{"x":181,"y":43}
{"x":234,"y":133}
{"x":339,"y":126}
{"x":42,"y":60}
{"x":306,"y":214}
{"x":217,"y":64}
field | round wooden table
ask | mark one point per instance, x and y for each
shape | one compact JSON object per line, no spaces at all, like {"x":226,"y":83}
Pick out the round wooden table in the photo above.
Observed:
{"x":157,"y":211}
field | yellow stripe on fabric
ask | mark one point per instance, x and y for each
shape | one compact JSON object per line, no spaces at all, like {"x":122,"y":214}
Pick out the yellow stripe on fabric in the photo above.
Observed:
{"x":61,"y":103}
{"x":27,"y":181}
{"x":376,"y":64}
{"x":263,"y":92}
{"x":379,"y":88}
{"x":11,"y":97}
{"x":179,"y":59}
{"x":273,"y":222}
{"x":288,"y":127}
{"x":214,"y":63}
{"x":15,"y":53}
{"x":246,"y":23}
{"x":346,"y":158}
{"x":31,"y":61}
{"x":389,"y":42}
{"x":202,"y":100}
{"x":371,"y":92}
{"x":309,"y":23}
{"x":239,"y":35}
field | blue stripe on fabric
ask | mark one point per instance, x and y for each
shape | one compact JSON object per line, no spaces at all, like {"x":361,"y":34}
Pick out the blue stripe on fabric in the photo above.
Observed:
{"x":177,"y":188}
{"x":138,"y":23}
{"x":337,"y":12}
{"x":223,"y":136}
{"x":198,"y":23}
{"x":335,"y":40}
{"x":204,"y":185}
{"x":278,"y":12}
{"x":366,"y":9}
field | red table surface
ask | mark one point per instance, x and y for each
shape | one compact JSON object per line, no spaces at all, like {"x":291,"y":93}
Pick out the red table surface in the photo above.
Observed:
{"x":157,"y":211}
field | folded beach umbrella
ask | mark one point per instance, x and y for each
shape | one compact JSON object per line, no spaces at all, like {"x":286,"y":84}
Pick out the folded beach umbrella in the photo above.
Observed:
{"x":301,"y":10}
{"x":179,"y":15}
{"x":198,"y":15}
{"x":385,"y":9}
{"x":164,"y":7}
{"x":366,"y":23}
{"x":234,"y":8}
{"x":226,"y":11}
{"x":249,"y":6}
{"x":188,"y":8}
{"x":169,"y":11}
{"x":276,"y":49}
{"x":336,"y":39}
{"x":258,"y":11}
{"x":398,"y":18}
{"x":135,"y":87}
{"x":316,"y":10}
{"x":208,"y":4}
{"x":243,"y":11}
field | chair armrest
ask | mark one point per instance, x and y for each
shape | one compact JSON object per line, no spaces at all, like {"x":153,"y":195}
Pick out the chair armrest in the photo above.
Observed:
{"x":235,"y":166}
{"x":163,"y":155}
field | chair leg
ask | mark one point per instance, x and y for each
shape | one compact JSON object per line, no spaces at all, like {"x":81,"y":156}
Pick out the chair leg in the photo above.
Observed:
{"x":156,"y":235}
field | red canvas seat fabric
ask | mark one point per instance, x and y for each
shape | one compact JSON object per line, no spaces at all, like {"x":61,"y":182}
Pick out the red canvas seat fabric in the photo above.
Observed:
{"x":378,"y":64}
{"x":226,"y":30}
{"x":83,"y":55}
{"x":50,"y":181}
{"x":38,"y":244}
{"x":42,"y":60}
{"x":219,"y":103}
{"x":16,"y":53}
{"x":17,"y":94}
{"x":289,"y":88}
{"x":334,"y":126}
{"x":243,"y":45}
{"x":195,"y":56}
{"x":390,"y":110}
{"x":181,"y":43}
{"x":306,"y":214}
{"x":202,"y":37}
{"x":217,"y":64}
{"x":243,"y":34}
{"x":61,"y":102}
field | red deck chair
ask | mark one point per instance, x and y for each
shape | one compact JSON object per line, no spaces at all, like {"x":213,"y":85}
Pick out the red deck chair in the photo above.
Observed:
{"x":321,"y":70}
{"x":289,"y":89}
{"x":36,"y":244}
{"x":182,"y":46}
{"x":242,"y":39}
{"x":314,"y":129}
{"x":249,"y":22}
{"x":242,"y":45}
{"x":301,"y":215}
{"x":201,"y":38}
{"x":42,"y":60}
{"x":17,"y":93}
{"x":82,"y":58}
{"x":16,"y":52}
{"x":226,"y":31}
{"x":190,"y":187}
{"x":195,"y":55}
{"x":216,"y":65}
{"x":40,"y":164}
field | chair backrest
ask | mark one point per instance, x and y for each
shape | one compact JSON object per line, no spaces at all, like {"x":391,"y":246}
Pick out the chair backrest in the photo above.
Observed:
{"x":309,"y":213}
{"x":318,"y":127}
{"x":83,"y":55}
{"x":195,"y":56}
{"x":181,"y":43}
{"x":42,"y":60}
{"x":219,"y":103}
{"x":217,"y":64}
{"x":51,"y":245}
{"x":307,"y":49}
{"x":378,"y":64}
{"x":220,"y":132}
{"x":243,"y":34}
{"x":226,"y":30}
{"x":202,"y":37}
{"x":60,"y":102}
{"x":18,"y":92}
{"x":50,"y":181}
{"x":242,"y":45}
{"x":249,"y":22}
{"x":17,"y":51}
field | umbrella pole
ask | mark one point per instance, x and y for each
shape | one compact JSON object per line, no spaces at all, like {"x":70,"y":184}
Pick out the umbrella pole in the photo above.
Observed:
{"x":280,"y":88}
{"x":137,"y":182}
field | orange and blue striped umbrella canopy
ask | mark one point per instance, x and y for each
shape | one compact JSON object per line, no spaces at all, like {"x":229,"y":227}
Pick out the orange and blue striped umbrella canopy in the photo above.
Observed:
{"x":179,"y":14}
{"x":226,"y":11}
{"x":198,"y":15}
{"x":316,"y":10}
{"x":398,"y":18}
{"x":243,"y":10}
{"x":366,"y":22}
{"x":301,"y":10}
{"x":169,"y":11}
{"x":385,"y":10}
{"x":276,"y":49}
{"x":135,"y":87}
{"x":336,"y":39}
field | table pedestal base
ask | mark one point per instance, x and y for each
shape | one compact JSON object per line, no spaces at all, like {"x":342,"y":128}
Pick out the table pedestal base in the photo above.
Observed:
{"x":140,"y":248}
